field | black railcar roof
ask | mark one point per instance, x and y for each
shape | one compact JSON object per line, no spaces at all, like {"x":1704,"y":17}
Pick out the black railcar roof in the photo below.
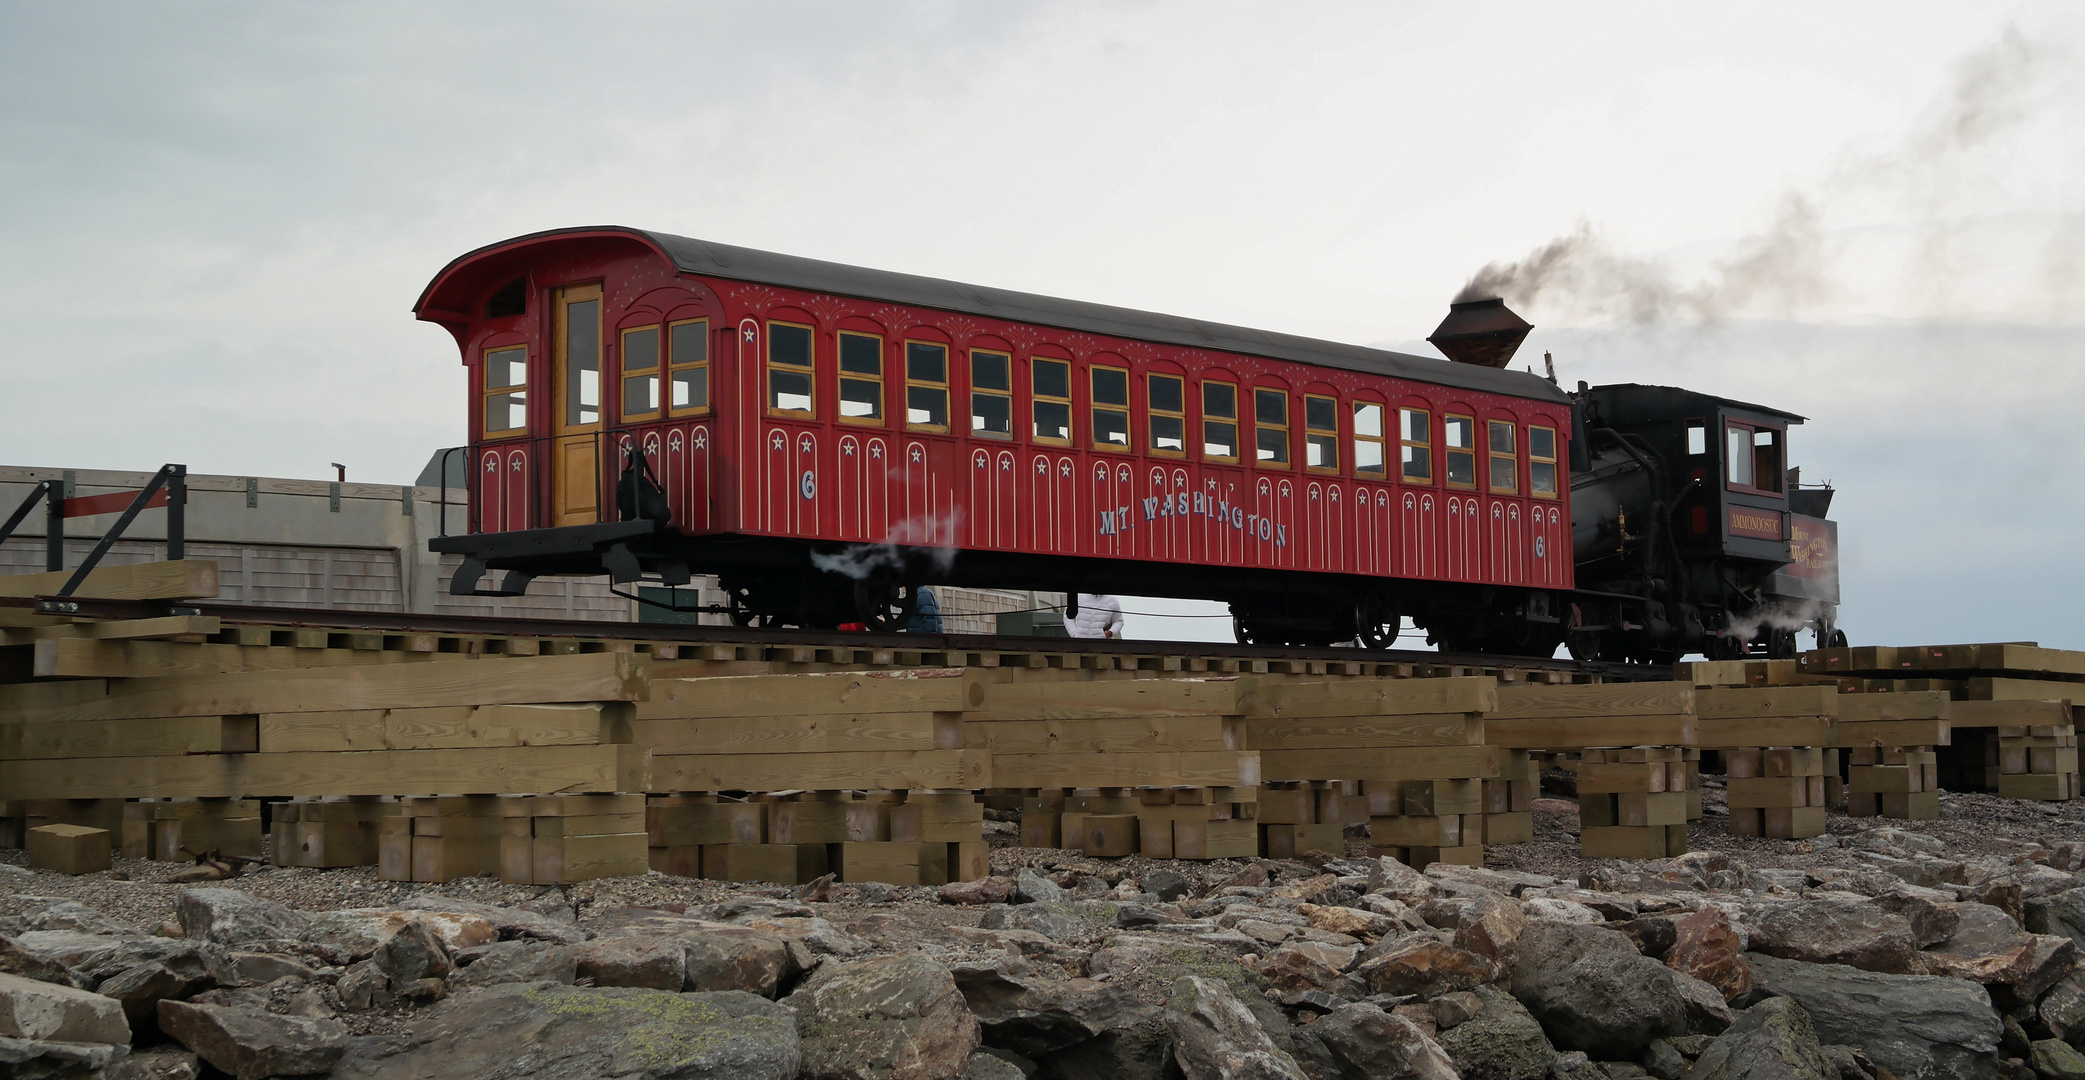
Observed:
{"x":816,"y":275}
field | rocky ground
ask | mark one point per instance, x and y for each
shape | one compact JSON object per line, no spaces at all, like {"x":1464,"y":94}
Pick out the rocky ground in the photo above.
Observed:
{"x":1911,"y":949}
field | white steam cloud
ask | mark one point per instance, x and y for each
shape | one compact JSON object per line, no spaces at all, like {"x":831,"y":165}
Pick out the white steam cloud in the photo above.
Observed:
{"x":933,"y":537}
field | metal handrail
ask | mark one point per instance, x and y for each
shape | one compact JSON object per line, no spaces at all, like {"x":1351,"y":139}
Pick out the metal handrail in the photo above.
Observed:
{"x":54,"y":515}
{"x":539,"y":448}
{"x":172,"y":477}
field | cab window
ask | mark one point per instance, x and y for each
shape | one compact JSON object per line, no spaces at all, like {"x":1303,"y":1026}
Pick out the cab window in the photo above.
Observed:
{"x":1504,"y":447}
{"x":641,"y":373}
{"x":789,"y":370}
{"x":1166,"y":397}
{"x":506,"y":391}
{"x":861,"y":378}
{"x":687,"y":366}
{"x":1270,"y":423}
{"x":1110,"y":407}
{"x":1320,"y":433}
{"x":1220,"y":421}
{"x":1052,"y":400}
{"x":1542,"y":462}
{"x":1459,"y":433}
{"x":1753,"y":457}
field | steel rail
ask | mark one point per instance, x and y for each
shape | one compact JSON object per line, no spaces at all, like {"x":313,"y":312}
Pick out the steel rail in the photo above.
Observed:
{"x":507,"y":626}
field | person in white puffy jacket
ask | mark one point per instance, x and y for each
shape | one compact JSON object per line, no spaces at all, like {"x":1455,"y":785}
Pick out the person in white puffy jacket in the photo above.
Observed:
{"x":1100,"y":616}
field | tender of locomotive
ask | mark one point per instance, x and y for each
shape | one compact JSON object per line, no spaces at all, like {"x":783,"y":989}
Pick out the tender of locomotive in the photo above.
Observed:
{"x":827,"y":438}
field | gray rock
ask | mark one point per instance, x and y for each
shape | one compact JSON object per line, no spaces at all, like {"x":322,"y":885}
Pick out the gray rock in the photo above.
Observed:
{"x":2054,"y":1059}
{"x":1591,"y":990}
{"x":1132,"y":916}
{"x":521,"y":960}
{"x":14,"y":960}
{"x":33,"y":1059}
{"x":1834,"y":930}
{"x":739,"y":958}
{"x":1020,"y":1010}
{"x":1932,"y":914}
{"x":1460,"y":1007}
{"x":2062,"y":1009}
{"x":413,"y":952}
{"x":509,"y":923}
{"x":1216,"y":1037}
{"x":541,"y":1031}
{"x":1987,"y":946}
{"x":1425,"y":966}
{"x":48,"y":1012}
{"x":94,"y":957}
{"x":1502,"y":1042}
{"x":1772,"y":1040}
{"x":363,"y":987}
{"x":1914,"y":1025}
{"x":985,"y":1066}
{"x":359,"y":932}
{"x":645,"y":963}
{"x":254,"y":1045}
{"x":158,"y":1063}
{"x":1664,"y":1060}
{"x":73,"y":915}
{"x":890,"y":1016}
{"x":1167,"y":885}
{"x":1362,"y":1042}
{"x":231,"y":917}
{"x":140,"y":989}
{"x":2058,"y":913}
{"x":1051,"y":920}
{"x":261,"y":968}
{"x":1031,"y":887}
{"x":1139,"y":1052}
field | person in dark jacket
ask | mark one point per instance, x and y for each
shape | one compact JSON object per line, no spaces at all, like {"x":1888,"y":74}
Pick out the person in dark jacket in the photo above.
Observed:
{"x":926,"y":617}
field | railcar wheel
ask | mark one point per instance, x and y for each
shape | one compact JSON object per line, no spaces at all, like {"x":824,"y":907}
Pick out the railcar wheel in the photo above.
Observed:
{"x":1838,"y":640}
{"x":884,"y":603}
{"x":1244,"y":631}
{"x":1377,"y":623}
{"x":740,"y":600}
{"x":1780,"y":644}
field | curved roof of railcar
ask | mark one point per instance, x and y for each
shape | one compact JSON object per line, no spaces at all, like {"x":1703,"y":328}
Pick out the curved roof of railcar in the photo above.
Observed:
{"x":712,"y":259}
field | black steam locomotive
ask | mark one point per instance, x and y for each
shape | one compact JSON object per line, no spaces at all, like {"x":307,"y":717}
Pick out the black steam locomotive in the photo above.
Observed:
{"x":1691,"y":533}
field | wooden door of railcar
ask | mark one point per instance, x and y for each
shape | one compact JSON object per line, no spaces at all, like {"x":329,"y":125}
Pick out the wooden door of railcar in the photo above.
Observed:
{"x":575,"y":481}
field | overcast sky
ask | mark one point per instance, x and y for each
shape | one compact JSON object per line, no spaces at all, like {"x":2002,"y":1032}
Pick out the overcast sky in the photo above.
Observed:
{"x":217,"y":216}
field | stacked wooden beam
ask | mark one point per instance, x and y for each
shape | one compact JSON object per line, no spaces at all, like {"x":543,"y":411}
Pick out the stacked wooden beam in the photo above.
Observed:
{"x":1429,"y":821}
{"x":439,"y":839}
{"x":2038,"y":762}
{"x":1777,"y":792}
{"x":1292,"y":820}
{"x":326,"y":832}
{"x":560,"y":839}
{"x":1632,"y":803}
{"x":182,"y":830}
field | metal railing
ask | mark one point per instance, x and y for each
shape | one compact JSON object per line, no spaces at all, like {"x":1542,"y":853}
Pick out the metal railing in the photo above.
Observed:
{"x":168,"y":487}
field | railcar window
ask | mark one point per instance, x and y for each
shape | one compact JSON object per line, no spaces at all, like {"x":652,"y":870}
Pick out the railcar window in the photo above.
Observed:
{"x":1415,"y":438}
{"x":1697,"y":438}
{"x":789,"y":369}
{"x":1766,"y":460}
{"x":511,"y":299}
{"x":1369,"y":455}
{"x":1270,"y":415}
{"x":1738,"y":440}
{"x":1220,"y":421}
{"x":641,"y":373}
{"x":1168,"y":414}
{"x":926,"y":386}
{"x":1505,"y":457}
{"x":1320,"y":433}
{"x":506,"y":391}
{"x":991,"y":394}
{"x":1542,"y":462}
{"x":687,"y":366}
{"x":861,"y":378}
{"x":1052,"y":400}
{"x":1460,"y":434}
{"x":583,"y":362}
{"x":1110,"y":408}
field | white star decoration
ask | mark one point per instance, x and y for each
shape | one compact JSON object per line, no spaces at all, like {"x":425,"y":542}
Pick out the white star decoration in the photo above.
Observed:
{"x":780,"y":442}
{"x":918,"y":454}
{"x":749,"y":333}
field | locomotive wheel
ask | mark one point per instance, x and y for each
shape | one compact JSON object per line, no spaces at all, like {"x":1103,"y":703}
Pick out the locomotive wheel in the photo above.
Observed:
{"x":884,"y":603}
{"x":1780,"y":644}
{"x":1377,"y":623}
{"x":1244,"y":631}
{"x":743,"y":613}
{"x":1838,"y":640}
{"x":1584,"y":645}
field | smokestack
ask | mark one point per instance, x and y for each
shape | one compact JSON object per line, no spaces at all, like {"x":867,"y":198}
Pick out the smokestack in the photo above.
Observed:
{"x":1481,"y":332}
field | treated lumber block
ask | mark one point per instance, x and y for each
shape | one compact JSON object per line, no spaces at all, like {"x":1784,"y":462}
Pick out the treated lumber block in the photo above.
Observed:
{"x":1335,"y":732}
{"x":1901,"y":705}
{"x":1109,"y":835}
{"x":969,"y":860}
{"x":1216,"y":768}
{"x":1995,"y":689}
{"x":705,"y":823}
{"x":1767,"y":701}
{"x":2013,"y":713}
{"x":1622,"y":777}
{"x":69,"y":849}
{"x":520,"y":681}
{"x":1629,"y":842}
{"x":1658,"y":808}
{"x":1912,"y":805}
{"x":2047,"y":787}
{"x":332,"y":843}
{"x":183,"y":579}
{"x":1403,"y":763}
{"x":1581,"y":731}
{"x":782,"y":864}
{"x":1129,"y":734}
{"x":887,"y":862}
{"x":1883,"y":779}
{"x":683,"y":861}
{"x":804,"y":734}
{"x":130,"y":738}
{"x":83,"y":658}
{"x":1443,"y":831}
{"x":1374,"y":697}
{"x":940,"y":822}
{"x":447,"y":727}
{"x":1736,"y":734}
{"x":1604,"y":700}
{"x":1042,"y":829}
{"x":1197,"y":839}
{"x":561,"y":860}
{"x":885,"y":769}
{"x":1896,"y":732}
{"x":816,"y":694}
{"x":1113,"y":698}
{"x":809,"y":822}
{"x":1291,"y":841}
{"x":380,"y":772}
{"x":1763,"y":791}
{"x":1433,"y":797}
{"x":166,"y":626}
{"x":1288,"y":806}
{"x":446,"y":858}
{"x":1707,"y":673}
{"x":1517,"y":827}
{"x":1792,"y":822}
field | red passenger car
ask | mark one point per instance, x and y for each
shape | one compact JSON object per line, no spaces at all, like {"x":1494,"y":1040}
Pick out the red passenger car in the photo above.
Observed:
{"x":827,"y":438}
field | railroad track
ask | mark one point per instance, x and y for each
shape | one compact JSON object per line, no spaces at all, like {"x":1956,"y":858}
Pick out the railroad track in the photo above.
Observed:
{"x":1165,"y":655}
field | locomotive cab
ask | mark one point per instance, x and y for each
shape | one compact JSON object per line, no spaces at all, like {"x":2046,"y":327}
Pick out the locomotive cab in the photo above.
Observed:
{"x":1692,"y":533}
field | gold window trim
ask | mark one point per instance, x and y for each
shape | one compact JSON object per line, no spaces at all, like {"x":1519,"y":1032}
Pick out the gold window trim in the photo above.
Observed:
{"x":673,"y":367}
{"x":768,"y":371}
